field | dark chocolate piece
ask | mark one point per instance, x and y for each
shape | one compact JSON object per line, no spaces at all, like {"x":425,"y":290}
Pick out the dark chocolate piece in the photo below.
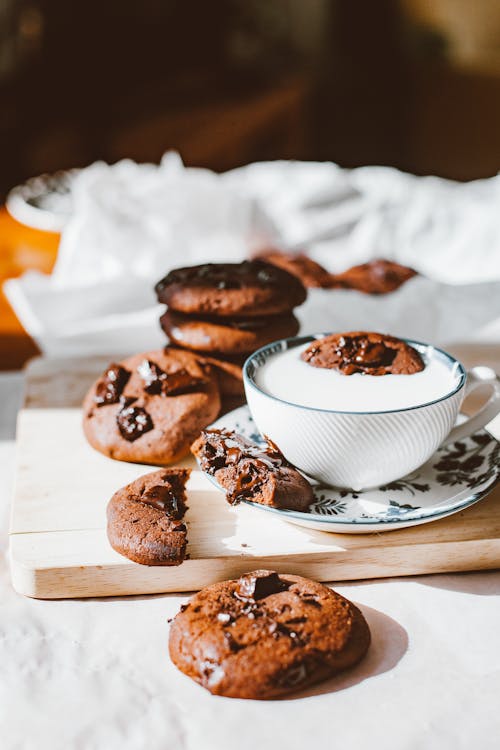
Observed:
{"x":133,"y":422}
{"x":158,"y":382}
{"x":162,"y":497}
{"x":360,"y":354}
{"x":259,"y":584}
{"x":109,"y":388}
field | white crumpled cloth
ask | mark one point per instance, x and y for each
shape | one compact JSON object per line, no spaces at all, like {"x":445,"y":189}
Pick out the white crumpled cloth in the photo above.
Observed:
{"x":133,"y":222}
{"x":95,"y":674}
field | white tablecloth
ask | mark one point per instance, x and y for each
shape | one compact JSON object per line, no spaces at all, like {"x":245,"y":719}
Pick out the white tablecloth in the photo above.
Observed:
{"x":95,"y":674}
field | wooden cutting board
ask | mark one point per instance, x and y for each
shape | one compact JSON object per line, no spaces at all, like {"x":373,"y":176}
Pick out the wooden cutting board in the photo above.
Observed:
{"x":58,"y":543}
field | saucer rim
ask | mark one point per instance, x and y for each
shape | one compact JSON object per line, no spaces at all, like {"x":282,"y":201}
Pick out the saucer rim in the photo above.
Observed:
{"x":430,"y":514}
{"x":407,"y":520}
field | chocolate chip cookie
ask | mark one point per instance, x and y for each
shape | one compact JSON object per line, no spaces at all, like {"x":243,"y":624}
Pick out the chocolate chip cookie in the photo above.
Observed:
{"x":144,"y":518}
{"x":265,"y":635}
{"x":247,"y":471}
{"x":227,"y":336}
{"x":376,"y":277}
{"x":364,"y":352}
{"x":247,"y":289}
{"x":150,"y":407}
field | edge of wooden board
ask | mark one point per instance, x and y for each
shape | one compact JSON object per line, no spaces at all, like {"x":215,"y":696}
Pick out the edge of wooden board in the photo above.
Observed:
{"x":129,"y":579}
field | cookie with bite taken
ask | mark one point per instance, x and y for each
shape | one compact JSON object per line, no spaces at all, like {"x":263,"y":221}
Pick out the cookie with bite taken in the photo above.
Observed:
{"x":145,"y":518}
{"x":247,"y":471}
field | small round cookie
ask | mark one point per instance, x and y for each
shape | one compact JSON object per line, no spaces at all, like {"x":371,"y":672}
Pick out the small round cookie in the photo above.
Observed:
{"x":228,"y":336}
{"x":310,"y":273}
{"x":364,"y":352}
{"x":247,"y":289}
{"x":150,"y":407}
{"x":379,"y":276}
{"x":144,"y":518}
{"x":265,"y":635}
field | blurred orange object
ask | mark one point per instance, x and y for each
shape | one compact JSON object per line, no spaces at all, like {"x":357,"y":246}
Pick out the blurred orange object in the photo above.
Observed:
{"x":21,"y":248}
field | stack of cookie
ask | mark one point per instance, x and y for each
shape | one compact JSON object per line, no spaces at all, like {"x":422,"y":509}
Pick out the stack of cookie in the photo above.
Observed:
{"x":225,"y":311}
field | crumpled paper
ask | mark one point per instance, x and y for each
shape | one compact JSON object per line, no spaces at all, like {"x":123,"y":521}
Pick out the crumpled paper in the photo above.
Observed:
{"x":132,"y":223}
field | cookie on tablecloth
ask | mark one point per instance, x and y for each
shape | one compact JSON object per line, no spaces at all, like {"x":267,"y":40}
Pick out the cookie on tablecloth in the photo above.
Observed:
{"x":264,"y":635}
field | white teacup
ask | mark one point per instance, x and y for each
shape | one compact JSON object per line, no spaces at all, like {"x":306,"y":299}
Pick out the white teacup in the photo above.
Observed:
{"x":360,"y":450}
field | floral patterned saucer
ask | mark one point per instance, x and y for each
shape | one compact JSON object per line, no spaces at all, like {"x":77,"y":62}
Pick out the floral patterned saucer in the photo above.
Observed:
{"x":456,"y":476}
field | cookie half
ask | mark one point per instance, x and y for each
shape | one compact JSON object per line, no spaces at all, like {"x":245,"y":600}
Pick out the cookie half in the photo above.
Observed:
{"x":228,"y":336}
{"x":247,"y":289}
{"x":150,"y":407}
{"x":265,"y":635}
{"x":144,"y":518}
{"x":247,"y":471}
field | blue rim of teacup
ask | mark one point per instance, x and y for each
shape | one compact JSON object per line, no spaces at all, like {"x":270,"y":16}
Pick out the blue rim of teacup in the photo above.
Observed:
{"x":281,"y":345}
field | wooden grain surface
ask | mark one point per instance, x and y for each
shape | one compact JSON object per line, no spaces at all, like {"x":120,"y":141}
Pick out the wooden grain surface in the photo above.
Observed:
{"x":58,"y":540}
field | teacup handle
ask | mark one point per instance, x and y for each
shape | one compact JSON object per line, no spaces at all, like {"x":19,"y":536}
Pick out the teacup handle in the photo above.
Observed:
{"x":477,"y":376}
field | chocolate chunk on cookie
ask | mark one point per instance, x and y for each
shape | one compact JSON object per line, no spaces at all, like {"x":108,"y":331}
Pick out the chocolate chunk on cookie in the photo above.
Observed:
{"x":144,"y":518}
{"x":247,"y":289}
{"x":228,"y":336}
{"x":248,"y":471}
{"x":265,"y":635}
{"x":110,"y":386}
{"x":364,"y":352}
{"x":310,"y":273}
{"x":154,"y":412}
{"x":376,"y":277}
